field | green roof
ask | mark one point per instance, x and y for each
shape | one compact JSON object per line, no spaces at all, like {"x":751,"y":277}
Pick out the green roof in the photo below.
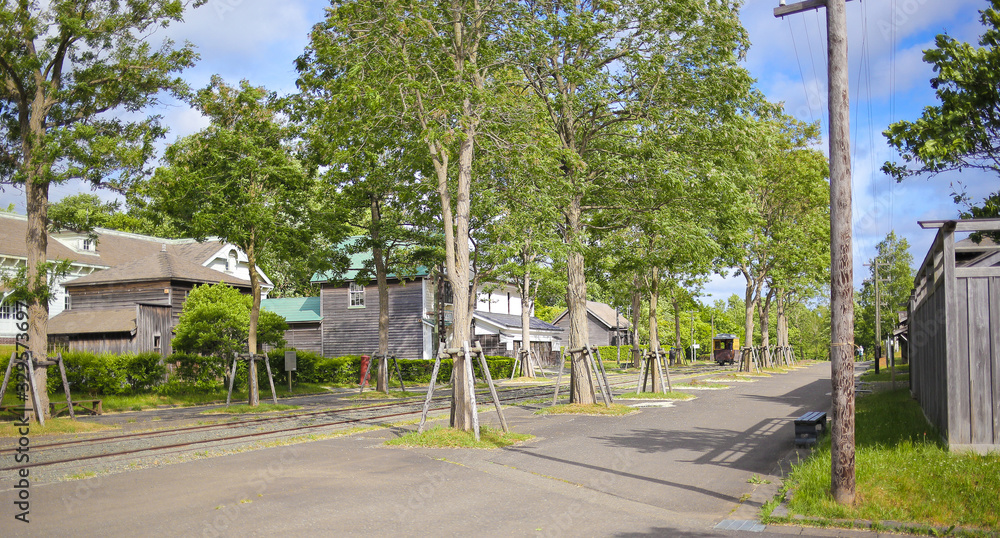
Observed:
{"x":357,"y":264}
{"x":294,"y":309}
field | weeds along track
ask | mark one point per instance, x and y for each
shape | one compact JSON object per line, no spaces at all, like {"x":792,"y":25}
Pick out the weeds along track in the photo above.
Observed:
{"x":343,"y":414}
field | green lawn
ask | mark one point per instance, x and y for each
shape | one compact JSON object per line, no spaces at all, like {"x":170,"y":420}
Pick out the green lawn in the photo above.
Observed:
{"x":903,"y":473}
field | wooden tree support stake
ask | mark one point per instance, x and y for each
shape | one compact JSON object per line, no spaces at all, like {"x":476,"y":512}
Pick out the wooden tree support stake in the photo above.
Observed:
{"x":562,"y":365}
{"x":493,"y":390}
{"x":27,"y":361}
{"x":602,"y":381}
{"x":664,"y":368}
{"x":248,"y":358}
{"x":472,"y":390}
{"x":430,"y":392}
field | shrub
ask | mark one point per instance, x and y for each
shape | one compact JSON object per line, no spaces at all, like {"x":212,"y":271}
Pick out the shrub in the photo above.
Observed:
{"x":197,"y":371}
{"x":107,"y":373}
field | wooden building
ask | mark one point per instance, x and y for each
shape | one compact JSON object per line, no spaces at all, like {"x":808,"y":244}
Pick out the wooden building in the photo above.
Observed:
{"x":605,"y":327}
{"x":134,"y":306}
{"x":132,"y":259}
{"x":349,"y":310}
{"x":954,"y":335}
{"x":305,"y":331}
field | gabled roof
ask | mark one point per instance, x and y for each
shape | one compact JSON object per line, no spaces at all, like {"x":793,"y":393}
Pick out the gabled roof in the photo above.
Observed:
{"x":604,"y":313}
{"x":113,"y":320}
{"x":162,"y":265}
{"x":113,"y":247}
{"x":513,"y":322}
{"x":294,"y":309}
{"x":357,"y":263}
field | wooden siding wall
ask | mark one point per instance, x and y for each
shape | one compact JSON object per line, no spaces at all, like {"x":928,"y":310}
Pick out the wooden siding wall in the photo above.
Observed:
{"x":151,"y":321}
{"x":305,"y":337}
{"x":354,"y":331}
{"x":118,"y":295}
{"x":954,"y":346}
{"x":597,"y":333}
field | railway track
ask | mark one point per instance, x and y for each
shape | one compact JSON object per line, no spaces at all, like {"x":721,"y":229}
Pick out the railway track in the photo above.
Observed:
{"x":78,"y":453}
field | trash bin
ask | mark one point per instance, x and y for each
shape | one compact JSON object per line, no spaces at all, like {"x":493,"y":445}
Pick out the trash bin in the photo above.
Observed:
{"x":366,"y":362}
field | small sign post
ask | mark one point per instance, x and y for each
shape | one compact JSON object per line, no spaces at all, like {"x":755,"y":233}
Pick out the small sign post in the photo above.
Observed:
{"x":290,"y":358}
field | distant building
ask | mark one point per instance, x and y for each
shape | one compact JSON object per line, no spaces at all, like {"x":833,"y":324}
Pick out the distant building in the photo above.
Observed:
{"x":348,"y":309}
{"x":605,"y":327}
{"x":124,"y":291}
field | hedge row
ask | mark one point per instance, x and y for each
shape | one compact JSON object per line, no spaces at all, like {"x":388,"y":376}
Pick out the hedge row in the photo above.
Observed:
{"x":126,"y":374}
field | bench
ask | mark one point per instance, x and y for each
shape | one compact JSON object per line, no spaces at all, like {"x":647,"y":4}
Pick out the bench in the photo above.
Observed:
{"x":805,"y":428}
{"x":93,"y":407}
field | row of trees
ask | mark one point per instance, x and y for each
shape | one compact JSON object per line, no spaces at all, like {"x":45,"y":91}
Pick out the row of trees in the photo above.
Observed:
{"x":620,"y":142}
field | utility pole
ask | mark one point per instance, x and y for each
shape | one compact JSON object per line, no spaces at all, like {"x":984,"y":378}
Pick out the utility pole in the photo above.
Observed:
{"x":875,"y":265}
{"x":841,"y":263}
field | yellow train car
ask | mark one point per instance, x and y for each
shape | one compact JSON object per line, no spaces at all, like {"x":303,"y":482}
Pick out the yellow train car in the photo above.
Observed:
{"x":724,"y":348}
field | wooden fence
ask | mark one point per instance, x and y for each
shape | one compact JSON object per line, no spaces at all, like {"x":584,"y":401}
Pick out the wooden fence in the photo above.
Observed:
{"x":954,"y":335}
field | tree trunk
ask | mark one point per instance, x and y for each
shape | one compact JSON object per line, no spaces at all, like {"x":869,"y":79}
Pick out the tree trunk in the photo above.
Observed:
{"x":456,"y":228}
{"x":654,"y":331}
{"x":749,"y":305}
{"x":253,"y":393}
{"x":378,"y":255}
{"x":527,"y":369}
{"x":37,"y":196}
{"x":765,"y":322}
{"x":675,"y":303}
{"x":636,"y":308}
{"x":782,"y":321}
{"x":581,"y":383}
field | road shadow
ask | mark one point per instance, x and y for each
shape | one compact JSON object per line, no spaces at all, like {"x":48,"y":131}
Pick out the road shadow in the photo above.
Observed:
{"x":614,"y":472}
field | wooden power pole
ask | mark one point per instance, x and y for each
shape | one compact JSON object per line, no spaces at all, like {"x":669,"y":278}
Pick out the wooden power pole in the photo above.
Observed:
{"x":841,"y":252}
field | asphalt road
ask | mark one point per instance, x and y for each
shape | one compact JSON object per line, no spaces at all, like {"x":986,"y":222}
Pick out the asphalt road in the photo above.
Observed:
{"x":666,"y":471}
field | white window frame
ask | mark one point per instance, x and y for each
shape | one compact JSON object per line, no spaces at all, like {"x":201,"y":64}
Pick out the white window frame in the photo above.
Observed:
{"x":355,"y":295}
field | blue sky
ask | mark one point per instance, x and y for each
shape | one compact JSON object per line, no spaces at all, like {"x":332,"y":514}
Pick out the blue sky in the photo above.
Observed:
{"x":259,"y":40}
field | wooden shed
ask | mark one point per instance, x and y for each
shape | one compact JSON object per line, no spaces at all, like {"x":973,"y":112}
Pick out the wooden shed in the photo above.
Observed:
{"x":130,"y":329}
{"x":954,"y":335}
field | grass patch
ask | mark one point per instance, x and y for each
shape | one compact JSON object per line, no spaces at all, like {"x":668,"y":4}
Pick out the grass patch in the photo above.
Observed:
{"x":671,"y":395}
{"x":246,"y":409}
{"x":615,"y":410}
{"x":902,"y":374}
{"x":525,"y":379}
{"x":451,"y":438}
{"x":700,"y":384}
{"x":376,"y":395}
{"x":140,"y":402}
{"x":53,"y":426}
{"x":903,"y":473}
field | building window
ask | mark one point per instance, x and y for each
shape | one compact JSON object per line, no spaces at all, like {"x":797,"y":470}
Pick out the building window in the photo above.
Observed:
{"x":357,"y":293}
{"x":66,"y":302}
{"x":5,"y":311}
{"x":231,"y":262}
{"x":88,"y":244}
{"x":156,"y":342}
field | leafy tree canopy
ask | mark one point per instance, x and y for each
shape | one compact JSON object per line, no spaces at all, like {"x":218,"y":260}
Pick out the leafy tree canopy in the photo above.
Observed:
{"x":216,"y":321}
{"x":963,"y":131}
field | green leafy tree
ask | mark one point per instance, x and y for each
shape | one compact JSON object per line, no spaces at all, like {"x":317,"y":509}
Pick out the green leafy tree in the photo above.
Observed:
{"x":963,"y":131}
{"x":215,"y":321}
{"x":81,"y":212}
{"x":897,"y":274}
{"x":425,"y":66}
{"x":634,"y":92}
{"x":239,"y":181}
{"x":67,"y":66}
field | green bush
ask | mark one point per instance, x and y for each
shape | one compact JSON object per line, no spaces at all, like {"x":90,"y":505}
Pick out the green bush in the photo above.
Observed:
{"x":609,"y":354}
{"x":107,"y":373}
{"x":198,"y":372}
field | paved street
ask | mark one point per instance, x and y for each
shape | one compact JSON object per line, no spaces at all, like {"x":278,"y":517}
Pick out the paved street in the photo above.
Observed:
{"x":666,"y":471}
